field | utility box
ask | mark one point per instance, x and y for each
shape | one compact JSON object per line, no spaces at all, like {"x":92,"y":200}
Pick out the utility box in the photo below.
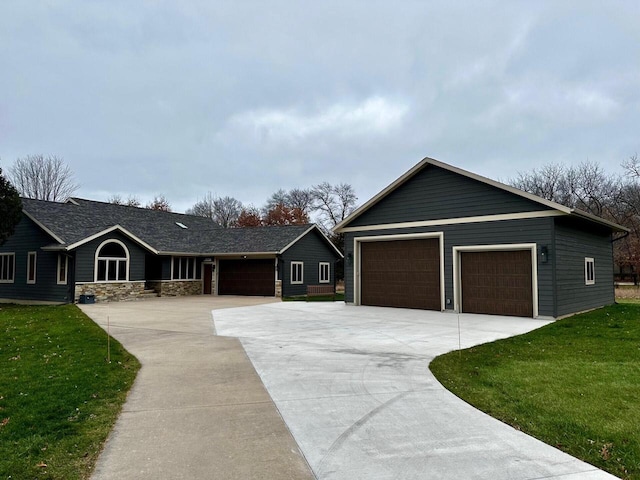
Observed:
{"x":85,"y":299}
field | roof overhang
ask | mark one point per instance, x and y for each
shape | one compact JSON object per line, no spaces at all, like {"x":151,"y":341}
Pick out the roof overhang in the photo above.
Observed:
{"x":430,"y":161}
{"x":115,"y":228}
{"x":43,"y":227}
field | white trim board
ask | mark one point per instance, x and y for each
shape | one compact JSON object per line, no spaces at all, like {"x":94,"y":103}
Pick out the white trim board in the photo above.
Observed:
{"x":457,"y":281}
{"x":357,"y":299}
{"x":456,"y":221}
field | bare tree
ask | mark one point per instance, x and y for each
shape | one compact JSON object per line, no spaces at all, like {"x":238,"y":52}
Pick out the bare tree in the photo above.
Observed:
{"x":222,"y":210}
{"x":159,"y":202}
{"x":43,"y":178}
{"x":130,"y":201}
{"x":333,"y":203}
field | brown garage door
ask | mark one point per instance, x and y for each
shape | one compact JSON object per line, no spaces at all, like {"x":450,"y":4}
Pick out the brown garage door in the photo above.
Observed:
{"x":497,"y":283}
{"x":246,"y":277}
{"x":401,"y":273}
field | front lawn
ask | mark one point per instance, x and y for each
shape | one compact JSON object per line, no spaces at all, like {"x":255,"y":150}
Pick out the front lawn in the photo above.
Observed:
{"x":574,"y":384}
{"x":59,"y":397}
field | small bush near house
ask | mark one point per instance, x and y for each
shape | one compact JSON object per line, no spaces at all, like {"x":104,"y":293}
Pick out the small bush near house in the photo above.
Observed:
{"x":59,"y":397}
{"x":574,"y":384}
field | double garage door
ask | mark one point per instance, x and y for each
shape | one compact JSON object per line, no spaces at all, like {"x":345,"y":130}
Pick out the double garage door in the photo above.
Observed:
{"x":406,"y":273}
{"x":247,"y":277}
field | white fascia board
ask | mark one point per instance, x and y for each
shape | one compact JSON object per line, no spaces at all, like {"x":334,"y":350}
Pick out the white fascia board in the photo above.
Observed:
{"x":109,"y":230}
{"x":311,"y":228}
{"x":457,"y":221}
{"x":214,"y":254}
{"x":430,"y":161}
{"x":49,"y":232}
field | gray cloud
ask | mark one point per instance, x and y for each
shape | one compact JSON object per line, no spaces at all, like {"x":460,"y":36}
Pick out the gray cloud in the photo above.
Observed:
{"x":243,"y":98}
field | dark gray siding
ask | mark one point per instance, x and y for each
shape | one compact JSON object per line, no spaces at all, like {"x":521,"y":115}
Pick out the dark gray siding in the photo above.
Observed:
{"x":28,"y":237}
{"x":573,"y":242}
{"x":538,"y":231}
{"x":310,"y":249}
{"x":85,"y":258}
{"x":435,"y":193}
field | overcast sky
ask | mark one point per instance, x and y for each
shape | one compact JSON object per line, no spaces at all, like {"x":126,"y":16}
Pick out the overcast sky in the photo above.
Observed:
{"x":242,"y":98}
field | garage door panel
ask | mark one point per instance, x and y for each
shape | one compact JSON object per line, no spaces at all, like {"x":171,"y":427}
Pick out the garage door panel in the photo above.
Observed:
{"x":246,"y":277}
{"x":497,"y":282}
{"x":401,"y":273}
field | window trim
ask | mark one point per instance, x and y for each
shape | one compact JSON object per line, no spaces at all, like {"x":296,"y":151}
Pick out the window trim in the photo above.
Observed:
{"x":3,"y":256}
{"x":195,"y":272}
{"x":66,"y":269}
{"x":32,"y":258}
{"x":300,"y":281}
{"x":589,"y":279}
{"x":126,"y":259}
{"x":328,"y":267}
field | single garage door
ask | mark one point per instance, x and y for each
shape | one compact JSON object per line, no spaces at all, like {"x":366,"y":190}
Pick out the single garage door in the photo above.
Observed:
{"x":401,"y":273}
{"x":247,"y":277}
{"x":497,"y":282}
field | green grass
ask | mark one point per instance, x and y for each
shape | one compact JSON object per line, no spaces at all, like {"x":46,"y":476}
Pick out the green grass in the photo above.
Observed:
{"x":59,"y":397}
{"x":574,"y":384}
{"x":338,"y":297}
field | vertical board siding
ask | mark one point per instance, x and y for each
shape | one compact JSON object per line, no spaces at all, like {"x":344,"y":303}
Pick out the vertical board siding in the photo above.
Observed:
{"x":435,"y":193}
{"x":535,"y":230}
{"x":28,"y":237}
{"x":574,"y":242}
{"x":86,"y":254}
{"x":310,"y":249}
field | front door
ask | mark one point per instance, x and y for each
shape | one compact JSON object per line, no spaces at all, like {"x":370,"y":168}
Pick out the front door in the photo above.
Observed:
{"x":206,"y":277}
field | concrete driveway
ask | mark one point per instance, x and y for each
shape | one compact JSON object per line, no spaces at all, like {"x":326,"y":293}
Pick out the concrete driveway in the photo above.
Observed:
{"x":353,"y":385}
{"x":197,"y":410}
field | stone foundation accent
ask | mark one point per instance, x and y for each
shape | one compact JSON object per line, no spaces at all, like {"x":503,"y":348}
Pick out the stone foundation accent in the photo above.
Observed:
{"x":105,"y":292}
{"x":177,"y":288}
{"x":279,"y":288}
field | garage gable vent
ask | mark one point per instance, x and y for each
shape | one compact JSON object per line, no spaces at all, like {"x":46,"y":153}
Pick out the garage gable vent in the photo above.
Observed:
{"x":181,"y":225}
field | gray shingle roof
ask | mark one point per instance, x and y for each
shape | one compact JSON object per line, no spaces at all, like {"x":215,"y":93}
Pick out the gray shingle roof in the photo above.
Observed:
{"x":74,"y":222}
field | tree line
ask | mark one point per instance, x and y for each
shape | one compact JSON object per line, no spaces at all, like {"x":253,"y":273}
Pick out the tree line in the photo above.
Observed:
{"x":588,"y":187}
{"x":50,"y":178}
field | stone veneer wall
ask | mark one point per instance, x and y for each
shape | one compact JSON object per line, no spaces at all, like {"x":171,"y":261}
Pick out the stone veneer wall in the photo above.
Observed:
{"x":177,"y":288}
{"x":278,"y":288}
{"x":105,"y":292}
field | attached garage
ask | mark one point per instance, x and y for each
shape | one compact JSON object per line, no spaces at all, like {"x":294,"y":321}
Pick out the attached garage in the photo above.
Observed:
{"x":246,"y":277}
{"x":401,"y":273}
{"x":497,"y":282}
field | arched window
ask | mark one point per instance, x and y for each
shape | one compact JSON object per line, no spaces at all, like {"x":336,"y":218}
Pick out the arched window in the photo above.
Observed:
{"x":112,"y":262}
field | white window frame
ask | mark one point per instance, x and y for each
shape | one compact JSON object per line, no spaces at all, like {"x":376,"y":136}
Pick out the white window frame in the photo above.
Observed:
{"x":178,"y":275}
{"x":32,"y":257}
{"x":6,"y":257}
{"x":321,"y":267}
{"x":62,"y":258}
{"x":589,"y":279}
{"x":118,"y":260}
{"x":297,"y":281}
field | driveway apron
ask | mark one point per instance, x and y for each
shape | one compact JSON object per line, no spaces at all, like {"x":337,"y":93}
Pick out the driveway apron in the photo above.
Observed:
{"x":354,"y":387}
{"x":197,"y":409}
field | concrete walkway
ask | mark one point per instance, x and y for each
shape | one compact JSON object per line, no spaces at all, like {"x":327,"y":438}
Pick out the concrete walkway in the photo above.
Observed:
{"x":354,"y":387}
{"x":197,"y":410}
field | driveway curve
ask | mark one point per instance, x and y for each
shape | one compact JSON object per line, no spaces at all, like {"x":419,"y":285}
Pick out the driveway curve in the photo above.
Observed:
{"x":354,"y":387}
{"x":197,"y":409}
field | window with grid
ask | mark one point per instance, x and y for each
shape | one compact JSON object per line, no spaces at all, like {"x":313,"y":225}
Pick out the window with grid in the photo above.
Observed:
{"x":184,"y":268}
{"x":589,"y":271}
{"x":325,"y":272}
{"x":297,"y":272}
{"x":7,"y":267}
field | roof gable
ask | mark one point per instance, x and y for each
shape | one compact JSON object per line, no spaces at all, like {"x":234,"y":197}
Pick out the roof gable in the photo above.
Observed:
{"x":434,"y":190}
